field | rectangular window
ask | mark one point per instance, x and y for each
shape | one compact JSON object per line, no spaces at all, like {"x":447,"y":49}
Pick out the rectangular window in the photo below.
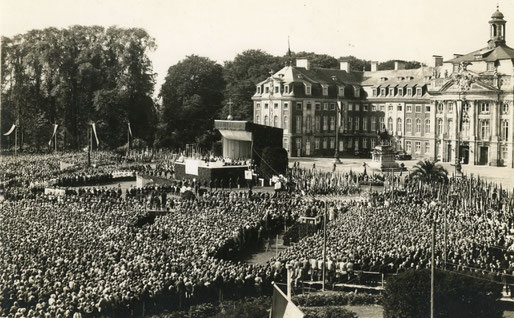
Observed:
{"x":309,"y":106}
{"x":318,"y":123}
{"x":350,"y":107}
{"x":418,"y":108}
{"x":490,"y":66}
{"x":324,"y":143}
{"x":418,"y":147}
{"x":373,"y":142}
{"x":299,"y":124}
{"x":275,"y":105}
{"x":258,"y":106}
{"x":484,"y":107}
{"x":286,"y":89}
{"x":374,"y":92}
{"x":316,"y":143}
{"x":505,"y":153}
{"x":258,"y":89}
{"x":505,"y":130}
{"x":382,"y":107}
{"x":400,"y":92}
{"x":419,"y":91}
{"x":350,"y":123}
{"x":484,"y":128}
{"x":299,"y":143}
{"x":427,"y":108}
{"x":409,"y":91}
{"x":265,"y":105}
{"x":381,"y":121}
{"x":391,"y":92}
{"x":365,"y":107}
{"x":364,"y":142}
{"x":505,"y":108}
{"x":383,"y":91}
{"x":390,"y":108}
{"x":408,"y":108}
{"x":325,"y":106}
{"x":365,"y":124}
{"x":318,"y":106}
{"x":307,"y":90}
{"x":373,"y":124}
{"x":450,"y":107}
{"x":332,"y":143}
{"x":325,"y":90}
{"x":332,"y":106}
{"x":266,"y":89}
{"x":399,"y":108}
{"x":427,"y":147}
{"x":325,"y":123}
{"x":356,"y":123}
{"x":408,"y":146}
{"x":332,"y":123}
{"x":298,"y":106}
{"x":286,"y":105}
{"x":277,"y":89}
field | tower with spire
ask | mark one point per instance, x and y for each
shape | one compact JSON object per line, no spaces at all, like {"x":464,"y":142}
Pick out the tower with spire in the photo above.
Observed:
{"x":497,"y":29}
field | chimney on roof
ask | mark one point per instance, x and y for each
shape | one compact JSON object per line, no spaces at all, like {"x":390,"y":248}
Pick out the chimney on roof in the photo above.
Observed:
{"x":438,"y":60}
{"x":374,"y":66}
{"x":344,"y":66}
{"x":303,"y":62}
{"x":456,"y":55}
{"x":399,"y":65}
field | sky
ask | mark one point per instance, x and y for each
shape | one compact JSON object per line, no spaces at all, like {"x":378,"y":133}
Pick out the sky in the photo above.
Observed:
{"x":220,"y":29}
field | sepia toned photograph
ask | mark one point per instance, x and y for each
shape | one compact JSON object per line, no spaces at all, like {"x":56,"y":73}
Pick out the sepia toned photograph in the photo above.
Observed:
{"x":257,"y":159}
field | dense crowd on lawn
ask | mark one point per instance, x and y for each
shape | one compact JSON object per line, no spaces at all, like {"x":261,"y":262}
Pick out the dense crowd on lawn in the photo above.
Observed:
{"x":388,"y":238}
{"x":82,"y":253}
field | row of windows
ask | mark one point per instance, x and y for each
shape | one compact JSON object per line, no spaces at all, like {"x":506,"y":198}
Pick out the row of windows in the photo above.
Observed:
{"x":398,"y":92}
{"x":484,"y":107}
{"x":329,"y":143}
{"x":417,"y":147}
{"x":286,"y":89}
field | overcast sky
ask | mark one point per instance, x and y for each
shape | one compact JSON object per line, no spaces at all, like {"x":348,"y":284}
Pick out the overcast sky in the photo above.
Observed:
{"x":220,"y":29}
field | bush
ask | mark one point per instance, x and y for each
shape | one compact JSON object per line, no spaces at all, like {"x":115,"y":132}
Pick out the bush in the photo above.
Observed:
{"x":274,"y":161}
{"x":456,"y":295}
{"x":328,"y":312}
{"x":335,"y":299}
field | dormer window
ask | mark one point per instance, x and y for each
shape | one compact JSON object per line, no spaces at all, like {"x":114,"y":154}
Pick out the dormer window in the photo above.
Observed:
{"x":455,"y":68}
{"x":409,"y":91}
{"x":490,"y":66}
{"x":325,"y":90}
{"x":307,"y":89}
{"x":357,"y":91}
{"x":400,"y":91}
{"x":391,"y":92}
{"x":383,"y":92}
{"x":340,"y":91}
{"x":277,"y":89}
{"x":286,"y":89}
{"x":375,"y":92}
{"x":258,"y":89}
{"x":266,"y":89}
{"x":419,"y":91}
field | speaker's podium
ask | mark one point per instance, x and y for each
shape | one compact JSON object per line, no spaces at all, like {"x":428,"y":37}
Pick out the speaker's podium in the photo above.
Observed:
{"x":243,"y":143}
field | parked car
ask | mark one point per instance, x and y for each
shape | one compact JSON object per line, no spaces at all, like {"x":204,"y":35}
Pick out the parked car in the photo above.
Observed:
{"x":403,"y":156}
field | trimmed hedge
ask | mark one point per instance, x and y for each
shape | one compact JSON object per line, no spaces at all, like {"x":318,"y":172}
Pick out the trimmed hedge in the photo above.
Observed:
{"x":457,"y":295}
{"x":336,"y":299}
{"x":328,"y":312}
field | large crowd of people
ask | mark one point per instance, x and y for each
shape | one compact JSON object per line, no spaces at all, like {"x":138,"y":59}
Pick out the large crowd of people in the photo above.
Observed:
{"x":96,"y":251}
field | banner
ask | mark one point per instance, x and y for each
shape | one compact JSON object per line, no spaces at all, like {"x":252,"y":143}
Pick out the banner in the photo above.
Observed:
{"x":192,"y":167}
{"x":129,"y":130}
{"x":282,"y":307}
{"x":57,"y":192}
{"x":10,"y":130}
{"x":94,"y":131}
{"x":53,"y":135}
{"x":248,"y":174}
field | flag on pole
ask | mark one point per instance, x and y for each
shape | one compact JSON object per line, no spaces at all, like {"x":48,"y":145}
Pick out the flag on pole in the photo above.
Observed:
{"x":94,"y":131}
{"x":129,"y":130}
{"x":10,"y":130}
{"x":53,"y":135}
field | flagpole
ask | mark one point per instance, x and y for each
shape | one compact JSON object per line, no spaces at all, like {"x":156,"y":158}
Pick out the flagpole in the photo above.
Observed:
{"x":90,"y":141}
{"x":55,"y":139}
{"x":128,"y":140}
{"x":16,"y":141}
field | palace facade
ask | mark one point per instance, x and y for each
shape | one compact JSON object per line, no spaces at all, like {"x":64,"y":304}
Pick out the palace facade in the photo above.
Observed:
{"x":461,"y":108}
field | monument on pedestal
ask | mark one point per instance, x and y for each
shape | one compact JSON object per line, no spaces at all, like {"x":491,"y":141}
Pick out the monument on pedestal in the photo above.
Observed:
{"x":383,"y":155}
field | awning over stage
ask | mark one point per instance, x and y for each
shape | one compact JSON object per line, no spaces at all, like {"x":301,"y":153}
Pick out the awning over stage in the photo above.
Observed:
{"x":236,"y":135}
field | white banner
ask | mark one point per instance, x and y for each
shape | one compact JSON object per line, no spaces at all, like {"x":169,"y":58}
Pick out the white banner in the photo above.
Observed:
{"x":248,"y":174}
{"x":53,"y":135}
{"x":192,"y":167}
{"x":58,"y":192}
{"x":10,"y":130}
{"x":94,"y":131}
{"x":129,"y":130}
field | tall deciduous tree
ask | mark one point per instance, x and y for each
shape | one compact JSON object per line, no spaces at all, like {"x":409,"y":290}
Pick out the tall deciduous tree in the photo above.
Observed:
{"x":191,"y":99}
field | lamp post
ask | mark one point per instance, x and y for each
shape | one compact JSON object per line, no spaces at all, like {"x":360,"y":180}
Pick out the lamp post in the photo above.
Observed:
{"x":336,"y":152}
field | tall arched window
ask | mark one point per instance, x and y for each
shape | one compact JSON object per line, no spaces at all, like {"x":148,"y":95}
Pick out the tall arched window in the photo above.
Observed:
{"x":408,"y":124}
{"x":418,"y":125}
{"x":266,"y":120}
{"x":308,"y":123}
{"x":286,"y":122}
{"x":275,"y":121}
{"x":390,"y":124}
{"x":427,"y":126}
{"x":505,"y":130}
{"x":399,"y":125}
{"x":439,"y":126}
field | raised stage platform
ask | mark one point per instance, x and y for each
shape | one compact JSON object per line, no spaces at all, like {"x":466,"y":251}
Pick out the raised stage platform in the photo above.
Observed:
{"x":203,"y":172}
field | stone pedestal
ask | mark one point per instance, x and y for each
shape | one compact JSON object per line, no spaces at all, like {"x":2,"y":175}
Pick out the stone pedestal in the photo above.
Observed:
{"x":383,"y":158}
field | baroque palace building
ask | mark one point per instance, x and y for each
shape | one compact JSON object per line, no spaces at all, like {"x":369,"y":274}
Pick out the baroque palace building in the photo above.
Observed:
{"x":461,"y":108}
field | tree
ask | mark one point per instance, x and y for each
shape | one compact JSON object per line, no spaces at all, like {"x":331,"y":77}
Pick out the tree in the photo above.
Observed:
{"x":389,"y":65}
{"x":457,"y":295}
{"x":316,"y":60}
{"x":356,"y":64}
{"x":241,"y":75}
{"x":191,"y":99}
{"x":429,"y":172}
